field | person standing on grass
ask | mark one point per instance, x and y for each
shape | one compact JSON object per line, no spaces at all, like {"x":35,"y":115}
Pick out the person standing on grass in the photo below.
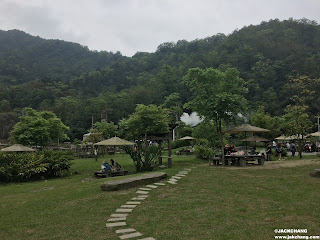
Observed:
{"x":269,"y":153}
{"x":96,"y":153}
{"x":293,"y":149}
{"x":288,"y":146}
{"x":279,"y":150}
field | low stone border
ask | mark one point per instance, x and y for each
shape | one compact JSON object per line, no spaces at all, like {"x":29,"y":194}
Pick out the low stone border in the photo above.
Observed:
{"x":118,"y":218}
{"x":315,"y":173}
{"x":133,"y":181}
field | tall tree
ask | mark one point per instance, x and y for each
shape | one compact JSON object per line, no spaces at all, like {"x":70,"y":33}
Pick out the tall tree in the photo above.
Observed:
{"x":301,"y":91}
{"x":38,"y":128}
{"x":264,"y":120}
{"x":106,"y":129}
{"x":146,"y":121}
{"x":218,"y":95}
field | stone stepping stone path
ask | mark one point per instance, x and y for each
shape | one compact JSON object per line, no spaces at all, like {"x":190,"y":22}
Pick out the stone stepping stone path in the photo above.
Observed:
{"x":117,"y":220}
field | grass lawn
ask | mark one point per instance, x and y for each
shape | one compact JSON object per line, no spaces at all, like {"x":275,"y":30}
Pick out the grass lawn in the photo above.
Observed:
{"x":210,"y":203}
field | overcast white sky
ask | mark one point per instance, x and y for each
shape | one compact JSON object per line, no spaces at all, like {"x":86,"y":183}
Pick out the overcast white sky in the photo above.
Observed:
{"x":130,"y":26}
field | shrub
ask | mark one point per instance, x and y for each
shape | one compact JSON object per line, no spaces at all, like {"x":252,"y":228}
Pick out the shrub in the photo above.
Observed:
{"x":144,"y":157}
{"x":204,"y":152}
{"x":32,"y":166}
{"x":179,"y":143}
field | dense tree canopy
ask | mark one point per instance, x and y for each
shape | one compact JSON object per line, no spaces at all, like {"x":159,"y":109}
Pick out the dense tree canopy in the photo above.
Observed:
{"x":61,"y":76}
{"x":217,"y":95}
{"x":146,"y":121}
{"x":39,"y":128}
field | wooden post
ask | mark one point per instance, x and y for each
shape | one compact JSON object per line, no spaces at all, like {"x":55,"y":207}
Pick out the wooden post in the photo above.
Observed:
{"x":261,"y":160}
{"x":169,"y":150}
{"x":243,"y":162}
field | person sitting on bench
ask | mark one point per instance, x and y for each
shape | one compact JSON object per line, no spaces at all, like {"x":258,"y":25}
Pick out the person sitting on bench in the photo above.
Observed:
{"x":115,"y":166}
{"x":105,"y":167}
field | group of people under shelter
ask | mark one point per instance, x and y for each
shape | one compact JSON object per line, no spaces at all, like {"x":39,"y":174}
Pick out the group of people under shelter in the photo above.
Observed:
{"x":228,"y":149}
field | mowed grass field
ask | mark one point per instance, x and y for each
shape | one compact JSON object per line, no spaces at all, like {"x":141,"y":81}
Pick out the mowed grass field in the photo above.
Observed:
{"x":209,"y":203}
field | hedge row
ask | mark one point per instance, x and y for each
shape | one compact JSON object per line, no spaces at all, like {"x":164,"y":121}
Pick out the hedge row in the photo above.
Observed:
{"x":32,"y":166}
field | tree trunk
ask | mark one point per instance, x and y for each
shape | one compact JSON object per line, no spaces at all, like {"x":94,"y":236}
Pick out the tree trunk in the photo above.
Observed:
{"x":221,"y":141}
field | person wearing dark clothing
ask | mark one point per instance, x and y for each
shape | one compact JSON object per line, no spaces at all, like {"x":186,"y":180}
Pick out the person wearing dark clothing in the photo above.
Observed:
{"x":105,"y":166}
{"x":269,"y":153}
{"x":279,"y":150}
{"x":313,"y":147}
{"x":115,"y":166}
{"x":226,"y":149}
{"x":293,"y":149}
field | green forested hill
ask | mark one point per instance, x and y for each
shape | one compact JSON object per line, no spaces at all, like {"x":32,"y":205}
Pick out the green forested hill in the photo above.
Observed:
{"x":25,"y":58}
{"x":78,"y":84}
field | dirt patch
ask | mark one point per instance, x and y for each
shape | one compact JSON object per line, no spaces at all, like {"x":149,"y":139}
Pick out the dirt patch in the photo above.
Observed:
{"x":89,"y":179}
{"x":291,"y":163}
{"x":280,"y":164}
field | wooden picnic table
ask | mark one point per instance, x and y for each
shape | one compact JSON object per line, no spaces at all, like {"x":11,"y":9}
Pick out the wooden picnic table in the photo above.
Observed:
{"x":239,"y":160}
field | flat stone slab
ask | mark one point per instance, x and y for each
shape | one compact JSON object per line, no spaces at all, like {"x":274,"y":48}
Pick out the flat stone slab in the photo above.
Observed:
{"x":117,"y":219}
{"x":160,"y":184}
{"x":145,"y":189}
{"x":122,"y":210}
{"x":128,"y":206}
{"x":116,"y":224}
{"x":176,"y":177}
{"x":151,"y":186}
{"x":115,"y":185}
{"x":172,"y":182}
{"x":131,"y":235}
{"x":143,"y":196}
{"x":135,"y":203}
{"x":119,"y":215}
{"x":138,"y":198}
{"x":126,"y":230}
{"x":315,"y":173}
{"x":142,"y":192}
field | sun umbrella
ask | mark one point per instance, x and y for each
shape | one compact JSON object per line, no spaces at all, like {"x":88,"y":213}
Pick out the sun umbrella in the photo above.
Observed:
{"x":315,"y":134}
{"x":255,"y":139}
{"x":187,"y":138}
{"x":115,"y":141}
{"x":287,"y":138}
{"x":17,"y":148}
{"x":246,"y":128}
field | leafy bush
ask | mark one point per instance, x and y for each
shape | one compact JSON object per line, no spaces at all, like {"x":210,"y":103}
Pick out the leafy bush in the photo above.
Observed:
{"x":179,"y":143}
{"x":32,"y":166}
{"x":203,"y":152}
{"x":144,"y":157}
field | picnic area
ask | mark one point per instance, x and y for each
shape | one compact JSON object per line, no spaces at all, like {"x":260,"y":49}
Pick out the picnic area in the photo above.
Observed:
{"x":219,"y":203}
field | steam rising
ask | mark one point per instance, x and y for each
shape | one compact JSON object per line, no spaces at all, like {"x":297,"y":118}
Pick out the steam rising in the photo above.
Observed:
{"x":193,"y":119}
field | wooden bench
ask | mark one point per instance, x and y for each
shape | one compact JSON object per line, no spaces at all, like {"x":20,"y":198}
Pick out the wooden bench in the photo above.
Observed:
{"x":237,"y":160}
{"x":110,"y":174}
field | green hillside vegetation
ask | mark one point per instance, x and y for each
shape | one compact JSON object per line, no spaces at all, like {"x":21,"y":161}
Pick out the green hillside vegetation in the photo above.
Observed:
{"x":81,"y":86}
